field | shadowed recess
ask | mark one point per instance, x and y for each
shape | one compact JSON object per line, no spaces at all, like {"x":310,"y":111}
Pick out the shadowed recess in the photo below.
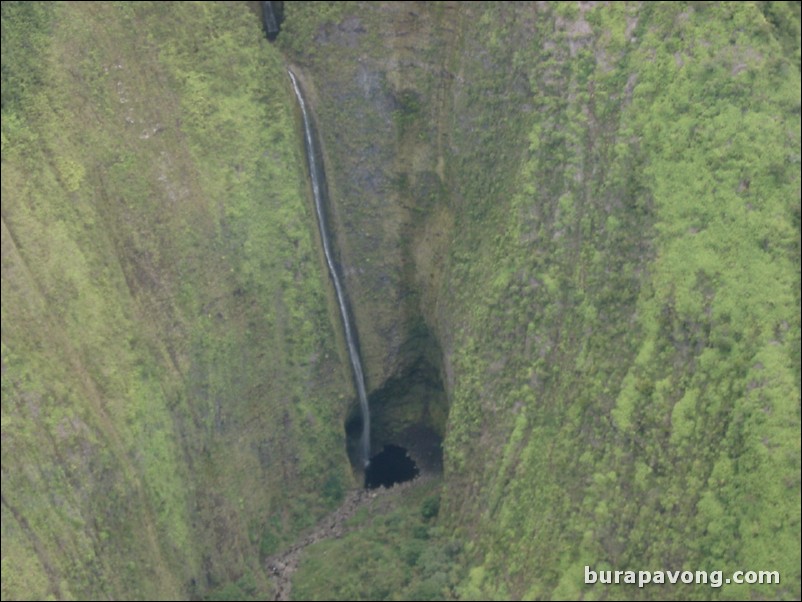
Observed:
{"x":392,"y":465}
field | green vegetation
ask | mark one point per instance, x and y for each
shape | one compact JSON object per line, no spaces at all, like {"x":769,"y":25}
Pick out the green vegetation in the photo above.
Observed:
{"x":582,"y":218}
{"x":609,"y":259}
{"x":172,"y":389}
{"x":643,"y":288}
{"x":380,"y":163}
{"x":394,"y":550}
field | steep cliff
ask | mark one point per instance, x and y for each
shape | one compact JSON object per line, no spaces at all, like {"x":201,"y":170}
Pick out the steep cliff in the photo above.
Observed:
{"x":173,"y":390}
{"x":594,"y":209}
{"x":570,"y":233}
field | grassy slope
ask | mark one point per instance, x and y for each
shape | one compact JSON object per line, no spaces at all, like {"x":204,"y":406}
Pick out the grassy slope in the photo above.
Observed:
{"x":638,"y":265}
{"x":172,"y":390}
{"x":611,"y":266}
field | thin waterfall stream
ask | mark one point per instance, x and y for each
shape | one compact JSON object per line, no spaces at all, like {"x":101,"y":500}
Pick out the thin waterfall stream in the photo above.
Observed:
{"x":320,"y":192}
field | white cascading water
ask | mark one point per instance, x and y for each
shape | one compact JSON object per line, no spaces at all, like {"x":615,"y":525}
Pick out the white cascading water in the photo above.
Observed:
{"x":316,"y":175}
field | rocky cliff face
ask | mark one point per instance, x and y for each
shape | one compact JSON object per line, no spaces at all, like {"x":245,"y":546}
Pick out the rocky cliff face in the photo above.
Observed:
{"x":570,"y":234}
{"x":594,"y":212}
{"x":378,"y":77}
{"x":173,"y":391}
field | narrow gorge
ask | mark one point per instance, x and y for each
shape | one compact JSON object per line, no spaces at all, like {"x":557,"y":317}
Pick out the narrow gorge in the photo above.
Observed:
{"x":543,"y":256}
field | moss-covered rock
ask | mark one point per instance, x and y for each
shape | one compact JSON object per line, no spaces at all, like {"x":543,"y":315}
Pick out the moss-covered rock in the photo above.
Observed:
{"x":581,"y":218}
{"x":595,"y":209}
{"x":173,"y":393}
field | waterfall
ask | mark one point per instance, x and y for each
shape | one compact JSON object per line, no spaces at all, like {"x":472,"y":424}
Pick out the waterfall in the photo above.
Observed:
{"x":269,"y":21}
{"x":319,"y":191}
